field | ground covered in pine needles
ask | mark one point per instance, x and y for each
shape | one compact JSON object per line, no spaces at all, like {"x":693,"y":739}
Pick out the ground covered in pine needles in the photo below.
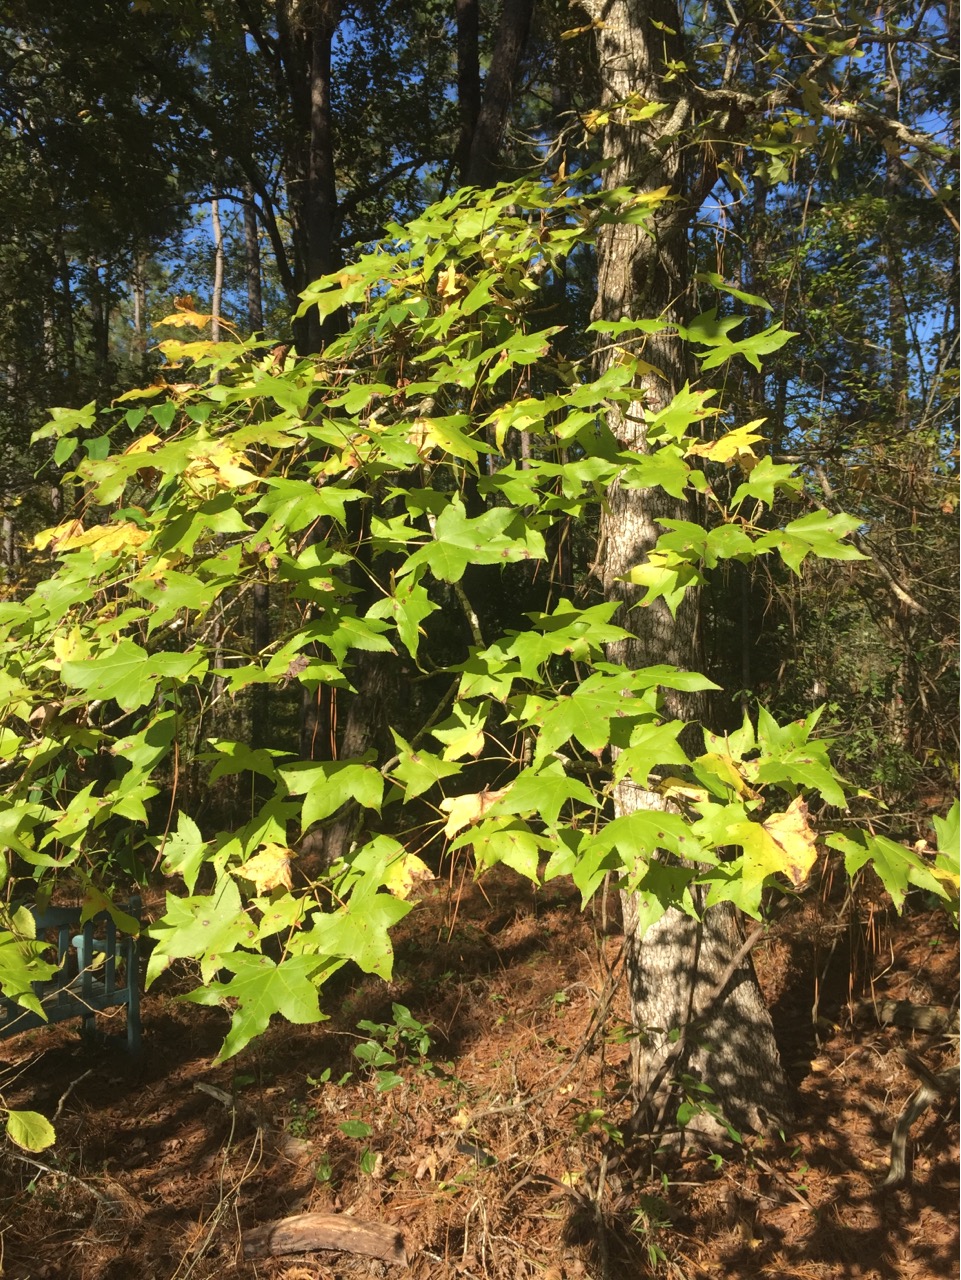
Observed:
{"x":494,"y":1154}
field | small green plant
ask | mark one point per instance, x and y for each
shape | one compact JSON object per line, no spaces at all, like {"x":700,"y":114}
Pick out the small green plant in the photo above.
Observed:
{"x":300,"y":1119}
{"x":369,"y":1162}
{"x":697,"y":1103}
{"x":595,"y":1119}
{"x":650,"y":1218}
{"x":391,"y":1042}
{"x":324,"y":1078}
{"x":355,"y":1129}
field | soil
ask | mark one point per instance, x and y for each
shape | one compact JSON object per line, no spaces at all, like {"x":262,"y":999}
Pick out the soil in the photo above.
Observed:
{"x":495,"y":1153}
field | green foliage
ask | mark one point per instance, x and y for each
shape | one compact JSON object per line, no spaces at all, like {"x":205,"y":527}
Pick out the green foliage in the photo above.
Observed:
{"x":29,"y":1130}
{"x":388,"y":1043}
{"x":375,"y":490}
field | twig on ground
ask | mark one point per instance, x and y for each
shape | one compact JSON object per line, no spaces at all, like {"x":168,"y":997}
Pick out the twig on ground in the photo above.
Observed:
{"x":67,"y":1092}
{"x":61,"y":1173}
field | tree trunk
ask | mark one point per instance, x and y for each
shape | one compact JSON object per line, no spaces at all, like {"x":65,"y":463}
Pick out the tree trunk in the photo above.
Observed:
{"x":305,"y":37}
{"x":260,"y":620}
{"x":138,"y":341}
{"x":482,"y":126}
{"x":643,"y":272}
{"x":66,"y":317}
{"x":217,"y":293}
{"x":252,"y":264}
{"x":488,"y":126}
{"x":468,"y":83}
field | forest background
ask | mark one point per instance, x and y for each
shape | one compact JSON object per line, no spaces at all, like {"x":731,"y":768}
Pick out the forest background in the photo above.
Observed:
{"x":294,"y":608}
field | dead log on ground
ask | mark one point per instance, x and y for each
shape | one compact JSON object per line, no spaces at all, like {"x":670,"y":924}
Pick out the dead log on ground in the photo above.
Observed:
{"x":305,"y":1232}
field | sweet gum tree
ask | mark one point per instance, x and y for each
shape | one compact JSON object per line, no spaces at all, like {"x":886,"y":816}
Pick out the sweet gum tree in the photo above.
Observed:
{"x":446,"y":440}
{"x":709,"y":124}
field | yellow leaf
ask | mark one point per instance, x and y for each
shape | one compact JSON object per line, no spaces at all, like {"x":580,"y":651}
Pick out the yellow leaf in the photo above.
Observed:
{"x":103,"y":539}
{"x":678,"y":789}
{"x":733,"y":447}
{"x":186,"y":319}
{"x":573,"y":32}
{"x":463,"y":810}
{"x":54,"y":536}
{"x":268,"y":869}
{"x":651,"y":197}
{"x":794,"y":836}
{"x":468,"y":743}
{"x":405,"y":874}
{"x":70,"y":646}
{"x":142,"y":393}
{"x":217,"y":462}
{"x":723,"y":767}
{"x":144,"y":443}
{"x":447,"y":284}
{"x":175,"y":351}
{"x":106,"y":539}
{"x":736,"y":180}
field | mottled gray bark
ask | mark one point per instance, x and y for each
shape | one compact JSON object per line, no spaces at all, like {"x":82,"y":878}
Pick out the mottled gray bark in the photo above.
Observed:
{"x":643,"y":272}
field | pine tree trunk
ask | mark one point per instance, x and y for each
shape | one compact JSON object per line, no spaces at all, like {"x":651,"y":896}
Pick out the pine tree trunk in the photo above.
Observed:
{"x":468,"y":83}
{"x":252,"y":263}
{"x":643,"y":272}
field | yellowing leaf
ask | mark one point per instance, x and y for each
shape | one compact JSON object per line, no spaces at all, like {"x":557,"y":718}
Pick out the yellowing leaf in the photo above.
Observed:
{"x":30,"y":1130}
{"x":144,"y":443}
{"x":268,"y":869}
{"x":142,"y":393}
{"x":405,"y":874}
{"x":106,"y":539}
{"x":447,"y":284}
{"x":731,"y":448}
{"x":70,"y":646}
{"x":794,"y":836}
{"x":103,"y":539}
{"x":175,"y":351}
{"x":723,"y":767}
{"x":186,"y":319}
{"x":734,"y":177}
{"x":462,"y":734}
{"x":218,"y":463}
{"x":573,"y":32}
{"x":463,"y":810}
{"x":659,"y":194}
{"x":54,"y":536}
{"x":678,"y":789}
